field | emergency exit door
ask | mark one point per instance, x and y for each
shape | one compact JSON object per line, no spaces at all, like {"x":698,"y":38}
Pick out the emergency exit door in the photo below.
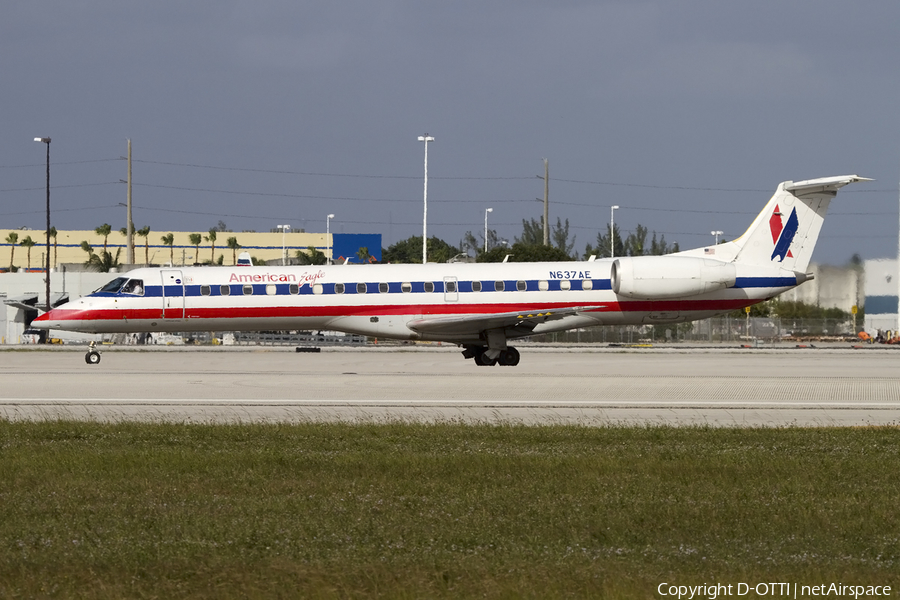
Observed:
{"x":172,"y":295}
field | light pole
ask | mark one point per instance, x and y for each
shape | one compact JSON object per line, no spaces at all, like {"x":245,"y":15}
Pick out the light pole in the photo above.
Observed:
{"x":486,"y":211}
{"x":425,"y":138}
{"x":716,"y":234}
{"x":46,"y":140}
{"x":283,"y":229}
{"x":328,"y":235}
{"x":612,"y":230}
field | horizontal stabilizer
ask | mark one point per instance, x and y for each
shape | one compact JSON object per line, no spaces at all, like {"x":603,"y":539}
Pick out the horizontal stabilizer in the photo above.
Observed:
{"x":825,"y":184}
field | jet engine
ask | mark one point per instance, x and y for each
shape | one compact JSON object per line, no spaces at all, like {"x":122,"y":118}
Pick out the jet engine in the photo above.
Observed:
{"x":662,"y":277}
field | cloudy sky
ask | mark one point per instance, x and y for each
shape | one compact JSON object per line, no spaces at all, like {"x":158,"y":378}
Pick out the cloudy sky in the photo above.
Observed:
{"x":685,"y":114}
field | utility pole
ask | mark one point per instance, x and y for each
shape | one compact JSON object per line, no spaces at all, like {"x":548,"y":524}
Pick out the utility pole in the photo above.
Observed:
{"x":129,"y":254}
{"x":46,"y":141}
{"x":546,"y":202}
{"x":425,"y":138}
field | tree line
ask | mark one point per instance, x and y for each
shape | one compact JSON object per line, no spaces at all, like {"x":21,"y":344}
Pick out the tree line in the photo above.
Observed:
{"x":529,"y":246}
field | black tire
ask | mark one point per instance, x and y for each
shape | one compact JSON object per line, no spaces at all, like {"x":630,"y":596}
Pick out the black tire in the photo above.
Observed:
{"x":482,"y":360}
{"x":509,"y":357}
{"x":92,"y":357}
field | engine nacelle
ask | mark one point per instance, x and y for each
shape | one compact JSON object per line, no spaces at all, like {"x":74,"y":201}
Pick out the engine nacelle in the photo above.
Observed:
{"x":662,"y":277}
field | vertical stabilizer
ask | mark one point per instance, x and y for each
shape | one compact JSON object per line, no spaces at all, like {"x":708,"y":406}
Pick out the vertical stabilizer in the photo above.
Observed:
{"x":785,"y":232}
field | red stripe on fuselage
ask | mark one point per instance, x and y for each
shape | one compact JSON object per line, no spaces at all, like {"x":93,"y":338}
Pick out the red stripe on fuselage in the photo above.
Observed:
{"x":118,"y":314}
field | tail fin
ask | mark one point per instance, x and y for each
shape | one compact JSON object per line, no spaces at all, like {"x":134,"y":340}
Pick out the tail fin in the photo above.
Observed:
{"x":785,"y":232}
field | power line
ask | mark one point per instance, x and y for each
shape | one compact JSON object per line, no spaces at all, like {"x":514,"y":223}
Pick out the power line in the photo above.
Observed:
{"x":56,"y":164}
{"x":59,"y":210}
{"x":60,"y":187}
{"x":316,"y":174}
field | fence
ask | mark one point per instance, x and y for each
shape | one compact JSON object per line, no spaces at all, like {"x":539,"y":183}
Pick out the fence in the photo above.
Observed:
{"x":719,"y":329}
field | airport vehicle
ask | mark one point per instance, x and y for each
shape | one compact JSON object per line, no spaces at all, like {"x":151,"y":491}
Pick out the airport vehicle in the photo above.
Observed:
{"x":480,"y":307}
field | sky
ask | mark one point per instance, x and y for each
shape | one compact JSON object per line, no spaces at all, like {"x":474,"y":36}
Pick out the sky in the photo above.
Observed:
{"x":685,"y":114}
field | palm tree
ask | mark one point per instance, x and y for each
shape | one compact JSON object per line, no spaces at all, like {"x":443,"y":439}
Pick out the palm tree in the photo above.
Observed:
{"x":196,"y":238}
{"x":169,"y":240}
{"x":53,"y":234}
{"x":28,"y":243}
{"x":144,"y":232}
{"x":90,"y":251}
{"x":12,"y":239}
{"x":104,"y":262}
{"x":312,"y":256}
{"x":211,"y":238}
{"x":233,"y":244}
{"x":104,"y":230}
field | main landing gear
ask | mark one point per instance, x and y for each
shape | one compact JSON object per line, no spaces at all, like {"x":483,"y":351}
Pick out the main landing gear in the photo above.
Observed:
{"x":507,"y":358}
{"x":93,"y":356}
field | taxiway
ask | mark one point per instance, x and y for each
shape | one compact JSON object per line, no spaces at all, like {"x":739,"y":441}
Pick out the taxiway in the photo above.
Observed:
{"x":592,"y":386}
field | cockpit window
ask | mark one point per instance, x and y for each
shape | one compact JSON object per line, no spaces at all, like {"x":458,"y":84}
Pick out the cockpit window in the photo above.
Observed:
{"x":134,"y":287}
{"x":113,"y":286}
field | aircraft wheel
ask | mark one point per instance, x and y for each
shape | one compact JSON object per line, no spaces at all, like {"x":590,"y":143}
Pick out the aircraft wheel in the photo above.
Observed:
{"x":92,"y":357}
{"x":482,"y":360}
{"x":509,"y":357}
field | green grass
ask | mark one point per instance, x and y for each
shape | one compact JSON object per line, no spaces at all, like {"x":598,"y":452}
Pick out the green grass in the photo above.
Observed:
{"x":410,"y":511}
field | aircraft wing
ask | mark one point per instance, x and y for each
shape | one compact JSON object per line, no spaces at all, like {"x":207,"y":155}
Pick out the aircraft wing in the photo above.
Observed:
{"x":474,"y":324}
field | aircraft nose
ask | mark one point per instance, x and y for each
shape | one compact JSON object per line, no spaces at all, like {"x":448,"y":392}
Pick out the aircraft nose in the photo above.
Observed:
{"x":42,"y":321}
{"x":53,"y":319}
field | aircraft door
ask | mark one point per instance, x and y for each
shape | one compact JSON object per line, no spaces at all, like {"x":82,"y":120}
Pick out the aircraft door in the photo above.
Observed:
{"x":451,"y":289}
{"x":172,"y":294}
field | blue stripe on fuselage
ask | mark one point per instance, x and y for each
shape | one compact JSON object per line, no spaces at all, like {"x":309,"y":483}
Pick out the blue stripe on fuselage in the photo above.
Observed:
{"x":418,"y":287}
{"x":764,"y":282}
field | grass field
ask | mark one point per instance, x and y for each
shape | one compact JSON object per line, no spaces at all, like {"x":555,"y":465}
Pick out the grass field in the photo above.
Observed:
{"x":439,"y":511}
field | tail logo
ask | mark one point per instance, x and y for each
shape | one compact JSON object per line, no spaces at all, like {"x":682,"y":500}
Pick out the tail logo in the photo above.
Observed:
{"x":783,"y":233}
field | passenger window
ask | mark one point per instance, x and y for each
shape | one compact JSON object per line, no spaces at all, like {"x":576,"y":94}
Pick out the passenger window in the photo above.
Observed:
{"x":450,"y":286}
{"x":205,"y":290}
{"x":543,"y":285}
{"x":521,"y":286}
{"x":498,"y":286}
{"x":429,"y":286}
{"x":476,"y":286}
{"x":587,"y":284}
{"x":248,"y":290}
{"x":406,"y":287}
{"x":565,"y":284}
{"x":339,"y":288}
{"x":383,"y":288}
{"x":360,"y":288}
{"x":317,"y":288}
{"x":271,"y":290}
{"x":225,"y":290}
{"x":294,"y":289}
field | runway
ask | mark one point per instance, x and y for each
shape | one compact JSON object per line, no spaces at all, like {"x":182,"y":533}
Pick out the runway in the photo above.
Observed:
{"x":591,"y":386}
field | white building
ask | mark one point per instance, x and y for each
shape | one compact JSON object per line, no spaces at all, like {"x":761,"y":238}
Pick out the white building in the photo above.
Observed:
{"x":832,"y":287}
{"x":882,"y":289}
{"x":20,"y":293}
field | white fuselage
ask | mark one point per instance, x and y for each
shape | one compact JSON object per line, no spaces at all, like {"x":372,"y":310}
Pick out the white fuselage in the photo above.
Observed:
{"x":384,"y":300}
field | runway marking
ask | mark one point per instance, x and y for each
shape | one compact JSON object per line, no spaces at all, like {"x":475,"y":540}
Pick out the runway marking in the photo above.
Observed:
{"x":237,"y":402}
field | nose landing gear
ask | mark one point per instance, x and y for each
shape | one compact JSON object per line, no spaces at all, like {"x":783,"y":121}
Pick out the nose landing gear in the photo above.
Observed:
{"x":93,"y":356}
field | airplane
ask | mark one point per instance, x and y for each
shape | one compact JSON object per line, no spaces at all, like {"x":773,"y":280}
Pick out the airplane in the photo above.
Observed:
{"x":481,"y":307}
